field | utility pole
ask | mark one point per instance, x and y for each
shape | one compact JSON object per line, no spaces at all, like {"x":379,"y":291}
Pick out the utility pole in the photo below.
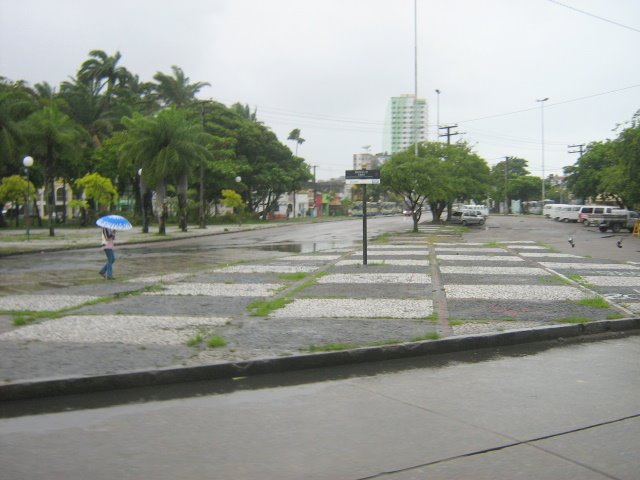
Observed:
{"x":448,"y":134}
{"x":315,"y":208}
{"x":506,"y":170}
{"x":580,"y":149}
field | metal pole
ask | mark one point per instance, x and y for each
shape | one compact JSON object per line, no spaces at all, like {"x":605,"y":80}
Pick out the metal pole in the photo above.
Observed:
{"x":27,"y":213}
{"x":415,"y":76}
{"x":542,"y":100}
{"x":364,"y":224}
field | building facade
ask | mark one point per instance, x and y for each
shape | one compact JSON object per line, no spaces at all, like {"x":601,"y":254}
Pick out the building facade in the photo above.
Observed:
{"x":406,"y":122}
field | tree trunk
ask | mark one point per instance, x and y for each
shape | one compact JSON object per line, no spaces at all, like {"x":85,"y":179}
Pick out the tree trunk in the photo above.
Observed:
{"x":182,"y":202}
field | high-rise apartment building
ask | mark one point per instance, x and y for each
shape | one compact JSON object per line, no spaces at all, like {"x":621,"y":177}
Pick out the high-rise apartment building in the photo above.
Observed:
{"x":406,"y":122}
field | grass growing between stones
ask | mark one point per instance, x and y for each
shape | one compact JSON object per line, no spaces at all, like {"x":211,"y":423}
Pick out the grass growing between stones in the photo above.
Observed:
{"x":573,"y":320}
{"x":293,"y":276}
{"x":594,"y":302}
{"x":214,"y":341}
{"x":262,"y":308}
{"x":426,"y":336}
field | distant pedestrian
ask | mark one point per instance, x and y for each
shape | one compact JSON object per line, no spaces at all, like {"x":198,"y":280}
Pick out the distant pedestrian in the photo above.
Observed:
{"x":108,"y":240}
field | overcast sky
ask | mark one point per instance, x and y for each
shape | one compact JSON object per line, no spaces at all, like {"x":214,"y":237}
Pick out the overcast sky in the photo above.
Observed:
{"x":329,"y":67}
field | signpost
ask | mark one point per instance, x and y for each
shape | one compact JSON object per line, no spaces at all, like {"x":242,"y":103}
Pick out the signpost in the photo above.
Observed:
{"x":364,"y":178}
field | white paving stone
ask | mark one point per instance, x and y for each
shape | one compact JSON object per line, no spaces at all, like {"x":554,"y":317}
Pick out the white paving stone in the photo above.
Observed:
{"x":386,"y":261}
{"x":549,"y":255}
{"x":391,"y":253}
{"x":525,"y":247}
{"x":42,"y":303}
{"x":480,"y":270}
{"x":220,"y":289}
{"x":471,"y":250}
{"x":612,"y":281}
{"x":482,"y":258}
{"x":356,"y":308}
{"x":376,"y":278}
{"x":393,"y":246}
{"x":516,"y":292}
{"x":310,"y":258}
{"x":245,"y":268}
{"x":129,"y":329}
{"x":588,"y":266}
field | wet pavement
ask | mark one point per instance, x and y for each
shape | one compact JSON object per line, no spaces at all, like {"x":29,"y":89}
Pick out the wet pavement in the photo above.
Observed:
{"x":534,"y":411}
{"x":415,"y":287}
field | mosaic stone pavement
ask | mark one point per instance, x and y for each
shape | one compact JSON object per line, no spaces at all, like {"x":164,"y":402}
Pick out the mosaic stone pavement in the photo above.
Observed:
{"x":448,"y":288}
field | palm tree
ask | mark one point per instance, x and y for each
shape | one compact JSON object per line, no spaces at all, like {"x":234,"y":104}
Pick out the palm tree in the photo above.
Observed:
{"x":176,"y":90}
{"x":166,"y":147}
{"x":295,"y":136}
{"x":102,"y":71}
{"x":53,"y":137}
{"x":15,"y":106}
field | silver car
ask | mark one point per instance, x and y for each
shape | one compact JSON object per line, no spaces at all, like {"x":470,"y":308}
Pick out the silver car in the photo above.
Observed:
{"x":467,"y":218}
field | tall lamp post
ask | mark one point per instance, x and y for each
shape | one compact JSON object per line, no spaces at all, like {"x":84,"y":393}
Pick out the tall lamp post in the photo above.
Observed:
{"x":541,"y":101}
{"x":28,"y":163}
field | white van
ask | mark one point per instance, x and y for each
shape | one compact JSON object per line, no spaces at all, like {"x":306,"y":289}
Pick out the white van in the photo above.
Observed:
{"x":586,"y":210}
{"x":569,"y":213}
{"x":552,"y":210}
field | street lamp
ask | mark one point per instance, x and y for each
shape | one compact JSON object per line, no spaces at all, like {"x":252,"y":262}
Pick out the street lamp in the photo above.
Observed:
{"x":28,"y":163}
{"x":541,"y":101}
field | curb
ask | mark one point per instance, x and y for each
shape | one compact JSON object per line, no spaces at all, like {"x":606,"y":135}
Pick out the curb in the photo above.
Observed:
{"x":166,"y":376}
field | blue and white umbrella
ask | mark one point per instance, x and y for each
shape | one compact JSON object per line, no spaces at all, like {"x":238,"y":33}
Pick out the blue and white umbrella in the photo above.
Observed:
{"x":114,"y":222}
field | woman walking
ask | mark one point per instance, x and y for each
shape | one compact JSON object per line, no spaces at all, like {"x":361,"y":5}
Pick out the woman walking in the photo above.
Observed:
{"x":108,"y":240}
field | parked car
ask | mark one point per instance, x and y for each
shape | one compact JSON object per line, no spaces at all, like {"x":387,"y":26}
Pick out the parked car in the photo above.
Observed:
{"x":468,"y":217}
{"x":593,"y":210}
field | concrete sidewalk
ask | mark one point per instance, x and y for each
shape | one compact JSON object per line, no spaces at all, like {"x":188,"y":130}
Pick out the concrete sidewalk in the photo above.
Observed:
{"x":527,"y":412}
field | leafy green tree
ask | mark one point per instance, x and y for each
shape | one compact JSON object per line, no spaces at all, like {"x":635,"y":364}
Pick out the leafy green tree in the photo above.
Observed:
{"x":167,"y":147}
{"x":415,"y":178}
{"x":54,"y":138}
{"x":525,"y":188}
{"x":98,"y":190}
{"x":627,"y":147}
{"x":586,"y":178}
{"x":14,"y":189}
{"x":468,"y":174}
{"x":505,"y":173}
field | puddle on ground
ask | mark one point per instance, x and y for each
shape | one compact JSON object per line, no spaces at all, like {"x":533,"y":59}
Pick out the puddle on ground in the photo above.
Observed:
{"x":306,"y":247}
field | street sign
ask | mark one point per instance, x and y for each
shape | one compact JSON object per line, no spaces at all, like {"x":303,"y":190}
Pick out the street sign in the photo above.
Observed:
{"x":361,"y":177}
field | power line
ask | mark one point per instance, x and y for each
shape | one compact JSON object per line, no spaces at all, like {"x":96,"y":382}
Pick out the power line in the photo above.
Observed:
{"x":595,"y":16}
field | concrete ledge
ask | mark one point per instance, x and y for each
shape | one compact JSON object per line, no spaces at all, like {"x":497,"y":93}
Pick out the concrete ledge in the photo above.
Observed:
{"x":166,"y":376}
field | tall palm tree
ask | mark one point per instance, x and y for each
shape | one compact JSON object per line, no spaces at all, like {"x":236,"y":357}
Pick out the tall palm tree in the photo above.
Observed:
{"x":176,"y":90}
{"x":53,"y":137}
{"x":166,"y":147}
{"x":295,"y":136}
{"x":103,"y":71}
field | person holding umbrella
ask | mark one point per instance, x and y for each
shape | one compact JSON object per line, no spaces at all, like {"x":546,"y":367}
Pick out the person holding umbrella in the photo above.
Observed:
{"x":108,"y":240}
{"x":109,"y":225}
